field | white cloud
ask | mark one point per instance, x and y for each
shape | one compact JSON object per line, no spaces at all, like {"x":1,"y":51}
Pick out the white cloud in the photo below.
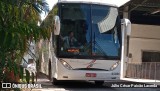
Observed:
{"x":51,"y":3}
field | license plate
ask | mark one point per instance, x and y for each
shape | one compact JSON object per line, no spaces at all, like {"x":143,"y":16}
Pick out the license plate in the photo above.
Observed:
{"x":91,"y":74}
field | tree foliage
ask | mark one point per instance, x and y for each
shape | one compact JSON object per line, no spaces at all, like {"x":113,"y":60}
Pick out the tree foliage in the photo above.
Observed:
{"x":18,"y":26}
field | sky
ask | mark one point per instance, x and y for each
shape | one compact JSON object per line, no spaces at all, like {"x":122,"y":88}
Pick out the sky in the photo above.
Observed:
{"x":115,"y":2}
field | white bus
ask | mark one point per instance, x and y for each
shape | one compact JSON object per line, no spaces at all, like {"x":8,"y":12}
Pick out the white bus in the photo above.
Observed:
{"x":87,"y":43}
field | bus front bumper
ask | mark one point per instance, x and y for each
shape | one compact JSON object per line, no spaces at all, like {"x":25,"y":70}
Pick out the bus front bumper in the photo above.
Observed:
{"x":88,"y":75}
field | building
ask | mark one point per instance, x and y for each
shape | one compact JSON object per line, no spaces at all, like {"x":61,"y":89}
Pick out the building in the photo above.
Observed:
{"x":144,"y":42}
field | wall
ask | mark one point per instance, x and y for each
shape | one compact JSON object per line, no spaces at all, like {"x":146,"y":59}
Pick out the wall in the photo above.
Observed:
{"x":143,"y":38}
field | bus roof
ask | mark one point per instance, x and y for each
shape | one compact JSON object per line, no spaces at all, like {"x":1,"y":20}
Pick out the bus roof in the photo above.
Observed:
{"x":101,"y":2}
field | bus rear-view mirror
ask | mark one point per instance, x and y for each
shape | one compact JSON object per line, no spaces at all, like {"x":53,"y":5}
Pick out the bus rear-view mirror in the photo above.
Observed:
{"x":56,"y":25}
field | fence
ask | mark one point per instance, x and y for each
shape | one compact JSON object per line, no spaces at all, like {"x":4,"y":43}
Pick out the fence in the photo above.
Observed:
{"x":144,"y":70}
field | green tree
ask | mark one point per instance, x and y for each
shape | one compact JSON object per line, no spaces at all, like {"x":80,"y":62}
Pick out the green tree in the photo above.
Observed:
{"x":18,"y":25}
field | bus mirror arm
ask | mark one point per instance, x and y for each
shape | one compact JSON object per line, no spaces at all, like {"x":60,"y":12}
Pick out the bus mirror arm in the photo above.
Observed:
{"x":56,"y":25}
{"x":127,"y":28}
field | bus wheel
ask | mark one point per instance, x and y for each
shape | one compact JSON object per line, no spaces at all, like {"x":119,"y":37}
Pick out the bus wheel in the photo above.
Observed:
{"x":99,"y":83}
{"x":55,"y":81}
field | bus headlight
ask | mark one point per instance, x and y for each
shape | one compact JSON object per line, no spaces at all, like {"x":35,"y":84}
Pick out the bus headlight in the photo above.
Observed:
{"x":65,"y":64}
{"x":114,"y":65}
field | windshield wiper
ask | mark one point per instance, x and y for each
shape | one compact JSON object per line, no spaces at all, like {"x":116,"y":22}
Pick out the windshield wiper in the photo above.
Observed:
{"x":93,"y":69}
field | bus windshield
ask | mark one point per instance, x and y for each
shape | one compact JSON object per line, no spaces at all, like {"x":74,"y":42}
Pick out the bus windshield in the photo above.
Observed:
{"x":89,"y":30}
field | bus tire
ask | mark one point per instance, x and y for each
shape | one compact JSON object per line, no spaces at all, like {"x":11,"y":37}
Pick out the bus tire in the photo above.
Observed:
{"x":99,"y":83}
{"x":55,"y":81}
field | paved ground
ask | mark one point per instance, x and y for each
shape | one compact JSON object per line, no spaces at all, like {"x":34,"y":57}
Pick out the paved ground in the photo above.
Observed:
{"x":80,"y":86}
